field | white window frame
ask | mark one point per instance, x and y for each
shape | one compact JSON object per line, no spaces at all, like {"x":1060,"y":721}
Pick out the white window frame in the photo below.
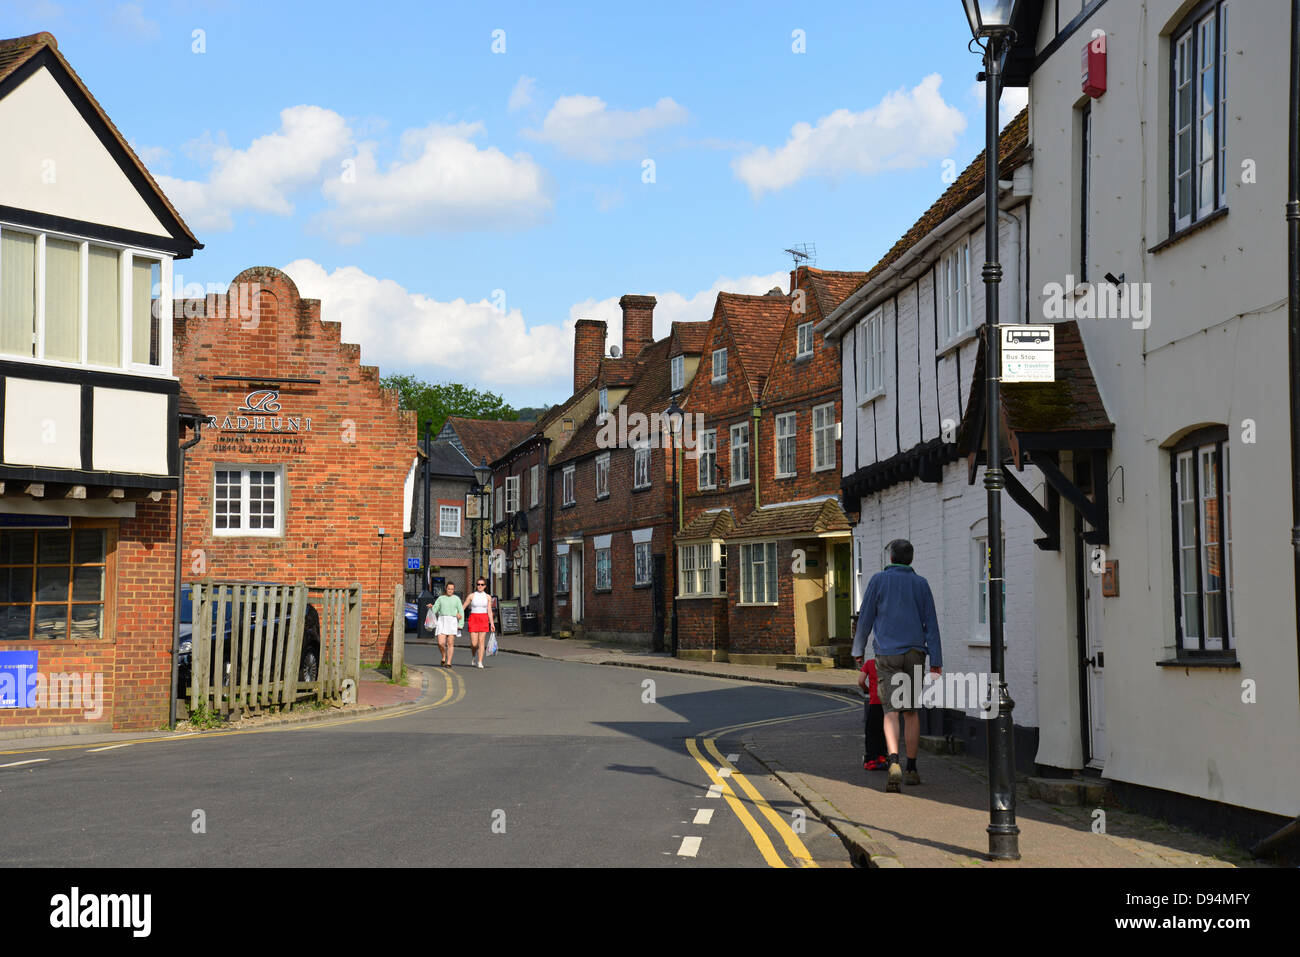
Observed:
{"x":534,"y":486}
{"x":873,"y":355}
{"x":699,"y":571}
{"x":608,"y":584}
{"x":955,"y":307}
{"x":1187,"y":49}
{"x":678,"y":366}
{"x":126,"y":255}
{"x":604,"y":405}
{"x":804,"y":331}
{"x":720,"y":361}
{"x":1198,"y":458}
{"x":602,"y":475}
{"x":979,"y":571}
{"x":738,"y":448}
{"x":707,"y":462}
{"x":562,"y":573}
{"x":786,"y":430}
{"x":244,"y":531}
{"x":759,"y":575}
{"x":568,"y":484}
{"x":641,"y":467}
{"x":641,"y":550}
{"x":442,"y":521}
{"x":512,"y":494}
{"x":499,"y":502}
{"x":827,"y":429}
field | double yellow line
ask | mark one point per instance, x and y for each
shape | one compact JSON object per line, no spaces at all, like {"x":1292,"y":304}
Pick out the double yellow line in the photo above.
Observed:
{"x":787,"y":834}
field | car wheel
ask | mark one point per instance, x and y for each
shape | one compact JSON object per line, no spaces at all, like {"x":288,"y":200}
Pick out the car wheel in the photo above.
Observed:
{"x":310,"y":667}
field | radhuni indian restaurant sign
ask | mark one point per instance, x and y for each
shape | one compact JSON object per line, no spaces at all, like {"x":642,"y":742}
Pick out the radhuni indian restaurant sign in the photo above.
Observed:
{"x":260,"y":425}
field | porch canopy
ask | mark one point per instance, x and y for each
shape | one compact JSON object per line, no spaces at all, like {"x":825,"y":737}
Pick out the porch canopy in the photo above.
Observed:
{"x":818,"y":518}
{"x":1039,"y":421}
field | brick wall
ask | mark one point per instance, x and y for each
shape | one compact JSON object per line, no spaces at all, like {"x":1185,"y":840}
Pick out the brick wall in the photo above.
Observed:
{"x":343,"y":477}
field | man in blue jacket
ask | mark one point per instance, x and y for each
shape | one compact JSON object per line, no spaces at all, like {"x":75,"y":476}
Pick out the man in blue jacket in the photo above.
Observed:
{"x":898,"y":605}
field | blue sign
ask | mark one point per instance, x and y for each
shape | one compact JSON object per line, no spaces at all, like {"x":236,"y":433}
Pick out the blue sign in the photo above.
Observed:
{"x":17,"y":520}
{"x":18,"y":679}
{"x":412,"y":564}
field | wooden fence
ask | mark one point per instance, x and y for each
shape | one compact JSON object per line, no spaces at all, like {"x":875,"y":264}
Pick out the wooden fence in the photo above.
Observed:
{"x":252,"y":643}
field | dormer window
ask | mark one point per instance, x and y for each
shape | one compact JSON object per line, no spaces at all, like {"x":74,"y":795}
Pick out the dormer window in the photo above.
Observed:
{"x":719,"y":365}
{"x":604,"y":404}
{"x":679,"y":373}
{"x":62,"y":299}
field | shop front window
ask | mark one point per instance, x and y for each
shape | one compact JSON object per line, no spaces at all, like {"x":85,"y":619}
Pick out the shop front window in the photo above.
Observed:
{"x":52,"y":584}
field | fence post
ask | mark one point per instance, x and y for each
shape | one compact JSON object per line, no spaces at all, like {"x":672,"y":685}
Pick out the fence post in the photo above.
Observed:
{"x":352,"y":653}
{"x":399,"y":630}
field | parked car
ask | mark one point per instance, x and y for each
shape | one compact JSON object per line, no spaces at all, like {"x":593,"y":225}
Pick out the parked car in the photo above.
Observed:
{"x":412,"y":616}
{"x":309,"y":660}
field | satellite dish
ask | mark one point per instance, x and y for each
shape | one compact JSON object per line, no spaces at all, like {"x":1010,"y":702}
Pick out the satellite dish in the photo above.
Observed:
{"x":615,"y":352}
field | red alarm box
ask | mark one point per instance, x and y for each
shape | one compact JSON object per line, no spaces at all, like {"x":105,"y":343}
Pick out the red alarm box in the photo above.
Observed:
{"x":1094,"y":65}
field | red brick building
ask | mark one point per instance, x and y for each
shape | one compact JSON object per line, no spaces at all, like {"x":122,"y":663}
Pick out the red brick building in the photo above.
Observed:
{"x":301,"y":471}
{"x":764,"y":557}
{"x":611,"y":486}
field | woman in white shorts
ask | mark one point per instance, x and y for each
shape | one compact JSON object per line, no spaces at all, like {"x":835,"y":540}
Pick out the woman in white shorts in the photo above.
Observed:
{"x":449,"y":613}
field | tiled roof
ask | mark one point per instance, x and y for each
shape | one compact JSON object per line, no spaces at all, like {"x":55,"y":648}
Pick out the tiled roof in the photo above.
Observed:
{"x":16,"y":51}
{"x":783,"y":521}
{"x":487,"y":438}
{"x":707,"y":526}
{"x":690,"y":336}
{"x":1013,"y":151}
{"x":756,"y":323}
{"x":446,"y":460}
{"x":830,"y":288}
{"x":187,"y":404}
{"x":618,"y":373}
{"x":1071,"y":403}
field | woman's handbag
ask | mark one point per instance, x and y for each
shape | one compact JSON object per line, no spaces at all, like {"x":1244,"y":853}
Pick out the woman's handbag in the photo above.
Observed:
{"x":492,"y":643}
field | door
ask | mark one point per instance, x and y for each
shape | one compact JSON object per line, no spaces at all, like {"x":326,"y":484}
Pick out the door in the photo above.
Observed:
{"x":657,"y":591}
{"x":842,"y":583}
{"x":575,"y":581}
{"x":1095,"y":664}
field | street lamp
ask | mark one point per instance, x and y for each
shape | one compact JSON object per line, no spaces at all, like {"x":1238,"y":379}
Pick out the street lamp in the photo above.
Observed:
{"x":674,"y":419}
{"x":482,"y":472}
{"x":990,"y":24}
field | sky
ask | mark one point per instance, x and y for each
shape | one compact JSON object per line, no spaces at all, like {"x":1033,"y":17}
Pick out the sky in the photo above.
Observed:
{"x":458,"y":183}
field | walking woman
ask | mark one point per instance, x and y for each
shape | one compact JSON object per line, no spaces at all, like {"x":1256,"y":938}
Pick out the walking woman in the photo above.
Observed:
{"x":482,"y":619}
{"x":450,"y":614}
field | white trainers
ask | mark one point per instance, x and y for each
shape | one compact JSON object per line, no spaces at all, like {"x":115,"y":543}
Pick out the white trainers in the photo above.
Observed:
{"x":480,"y":664}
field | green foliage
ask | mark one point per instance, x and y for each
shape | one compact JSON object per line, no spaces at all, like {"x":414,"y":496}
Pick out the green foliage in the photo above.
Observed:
{"x":439,"y":401}
{"x":203,"y":719}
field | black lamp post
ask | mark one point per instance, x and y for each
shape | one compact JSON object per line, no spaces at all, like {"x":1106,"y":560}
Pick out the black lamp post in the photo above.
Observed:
{"x":990,"y":24}
{"x":428,"y":458}
{"x":481,"y":475}
{"x":674,"y":417}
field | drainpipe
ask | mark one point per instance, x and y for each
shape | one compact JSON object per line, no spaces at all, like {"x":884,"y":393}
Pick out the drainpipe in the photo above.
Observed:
{"x":756,"y":412}
{"x":1013,"y":262}
{"x":1293,"y":296}
{"x":176,"y":582}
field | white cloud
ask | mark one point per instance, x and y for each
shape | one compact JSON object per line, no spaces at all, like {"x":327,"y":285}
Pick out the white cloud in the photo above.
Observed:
{"x":130,"y":19}
{"x":261,"y":177}
{"x":673,"y":307}
{"x":461,"y":341}
{"x":472,"y":342}
{"x":442,"y":182}
{"x":583,"y":127}
{"x":522,"y":94}
{"x":908,"y":128}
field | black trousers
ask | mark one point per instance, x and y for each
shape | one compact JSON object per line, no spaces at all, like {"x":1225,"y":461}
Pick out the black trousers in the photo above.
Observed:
{"x":873,"y":726}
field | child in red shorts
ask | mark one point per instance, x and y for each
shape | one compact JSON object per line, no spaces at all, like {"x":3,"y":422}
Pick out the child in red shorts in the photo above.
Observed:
{"x":873,"y":720}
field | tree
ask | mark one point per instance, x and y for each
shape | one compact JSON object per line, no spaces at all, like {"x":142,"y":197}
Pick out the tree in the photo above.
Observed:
{"x":439,"y":401}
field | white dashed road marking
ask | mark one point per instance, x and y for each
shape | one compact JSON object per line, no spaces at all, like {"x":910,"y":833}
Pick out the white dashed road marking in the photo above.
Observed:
{"x":111,"y":747}
{"x":733,"y":758}
{"x":14,"y":764}
{"x":715,"y":791}
{"x":703,"y":816}
{"x":690,"y":847}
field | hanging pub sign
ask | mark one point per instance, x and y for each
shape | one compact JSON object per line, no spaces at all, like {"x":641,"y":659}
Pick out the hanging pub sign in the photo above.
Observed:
{"x":1028,"y":353}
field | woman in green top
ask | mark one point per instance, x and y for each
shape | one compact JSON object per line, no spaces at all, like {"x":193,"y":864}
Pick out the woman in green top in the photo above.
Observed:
{"x":450,"y":614}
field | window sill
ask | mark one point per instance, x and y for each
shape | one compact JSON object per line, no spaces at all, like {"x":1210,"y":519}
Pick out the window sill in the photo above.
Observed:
{"x":718,"y":381}
{"x":1199,"y":663}
{"x":758,"y":604}
{"x":824,"y":468}
{"x":1179,"y":235}
{"x":689,"y":597}
{"x":569,"y":505}
{"x":706,"y":488}
{"x":641,"y":488}
{"x":642,"y":585}
{"x":871,"y":397}
{"x":785,"y":478}
{"x":741,"y":484}
{"x":803,"y":358}
{"x":603,"y":591}
{"x":601,"y":498}
{"x":952,"y":345}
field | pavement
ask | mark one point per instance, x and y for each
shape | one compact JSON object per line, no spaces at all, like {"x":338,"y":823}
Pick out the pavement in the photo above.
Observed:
{"x":941,"y":822}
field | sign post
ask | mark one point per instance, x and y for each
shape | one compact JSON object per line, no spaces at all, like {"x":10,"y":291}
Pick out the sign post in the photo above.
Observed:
{"x":1028,"y":353}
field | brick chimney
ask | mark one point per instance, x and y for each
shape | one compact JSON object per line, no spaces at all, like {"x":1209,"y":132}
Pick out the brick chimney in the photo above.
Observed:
{"x":638,"y":323}
{"x":588,"y":350}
